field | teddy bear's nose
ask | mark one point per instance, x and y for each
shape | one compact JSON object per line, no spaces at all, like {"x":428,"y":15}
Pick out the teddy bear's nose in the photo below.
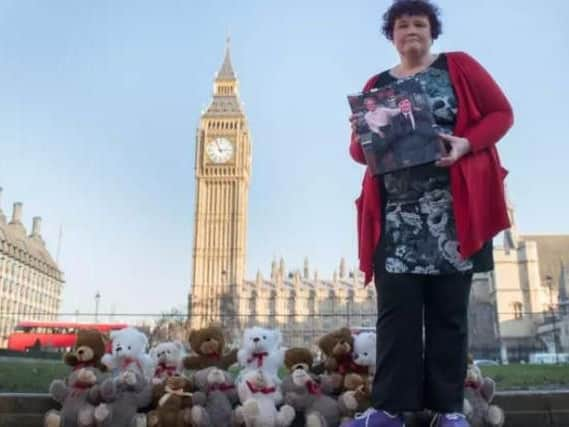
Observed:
{"x":256,"y":339}
{"x":80,"y":352}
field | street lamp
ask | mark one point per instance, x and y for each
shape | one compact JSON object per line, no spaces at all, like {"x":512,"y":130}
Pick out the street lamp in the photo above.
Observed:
{"x":97,"y":300}
{"x":549,"y":285}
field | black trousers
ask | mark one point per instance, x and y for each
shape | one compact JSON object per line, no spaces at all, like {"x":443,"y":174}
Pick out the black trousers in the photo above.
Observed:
{"x":422,"y":340}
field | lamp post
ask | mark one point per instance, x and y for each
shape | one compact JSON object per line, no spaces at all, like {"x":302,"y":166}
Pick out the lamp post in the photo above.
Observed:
{"x":97,"y":300}
{"x":549,"y":285}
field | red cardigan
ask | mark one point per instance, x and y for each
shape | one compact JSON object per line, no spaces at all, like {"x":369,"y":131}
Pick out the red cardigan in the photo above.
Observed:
{"x":484,"y":116}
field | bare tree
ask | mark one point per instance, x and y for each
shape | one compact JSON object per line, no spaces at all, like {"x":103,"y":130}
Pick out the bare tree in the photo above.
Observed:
{"x":170,"y":326}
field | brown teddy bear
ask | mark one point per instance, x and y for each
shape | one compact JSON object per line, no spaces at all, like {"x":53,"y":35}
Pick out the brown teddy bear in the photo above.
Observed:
{"x":88,"y":351}
{"x":209,"y":345}
{"x":174,"y":404}
{"x":357,"y":397}
{"x":337,"y":346}
{"x":302,"y":391}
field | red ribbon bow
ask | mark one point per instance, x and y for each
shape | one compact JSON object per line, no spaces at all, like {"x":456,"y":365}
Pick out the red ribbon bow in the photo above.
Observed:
{"x":259,"y":357}
{"x":221,"y":387}
{"x":162,"y":368}
{"x":79,"y":387}
{"x":472,"y":384}
{"x":345,"y":364}
{"x":313,"y":387}
{"x":264,"y":390}
{"x":215,"y":356}
{"x":129,"y":361}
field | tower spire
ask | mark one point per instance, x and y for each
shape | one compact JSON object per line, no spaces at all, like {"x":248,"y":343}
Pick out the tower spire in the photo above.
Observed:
{"x":226,"y":71}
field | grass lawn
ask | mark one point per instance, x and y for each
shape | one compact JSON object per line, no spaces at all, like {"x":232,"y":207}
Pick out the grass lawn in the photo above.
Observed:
{"x":35,"y":375}
{"x":29,"y":375}
{"x":526,"y":377}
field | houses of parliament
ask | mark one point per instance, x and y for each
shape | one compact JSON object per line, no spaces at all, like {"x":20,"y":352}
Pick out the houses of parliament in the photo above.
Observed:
{"x":299,"y":302}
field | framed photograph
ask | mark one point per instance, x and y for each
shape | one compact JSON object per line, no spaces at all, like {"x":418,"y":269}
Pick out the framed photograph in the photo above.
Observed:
{"x":396,"y":127}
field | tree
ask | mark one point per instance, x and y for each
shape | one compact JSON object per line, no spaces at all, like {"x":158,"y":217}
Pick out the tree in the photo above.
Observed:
{"x":170,"y":326}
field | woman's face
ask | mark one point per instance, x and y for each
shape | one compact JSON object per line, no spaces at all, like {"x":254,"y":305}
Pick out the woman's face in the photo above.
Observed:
{"x":412,"y":35}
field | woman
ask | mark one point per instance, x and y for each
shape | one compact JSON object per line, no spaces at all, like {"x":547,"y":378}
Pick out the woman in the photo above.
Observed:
{"x":424,"y":231}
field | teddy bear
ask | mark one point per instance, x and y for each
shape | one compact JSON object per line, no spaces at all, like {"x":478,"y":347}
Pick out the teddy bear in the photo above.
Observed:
{"x":122,"y":397}
{"x":478,"y":395}
{"x":167,"y":358}
{"x":129,"y":353}
{"x":302,"y":391}
{"x":173,"y":404}
{"x":208,"y":345}
{"x":261,"y":349}
{"x":78,"y":397}
{"x":79,"y":394}
{"x":88,"y":350}
{"x":357,"y":396}
{"x":214,"y":397}
{"x":365,"y":350}
{"x":259,"y":394}
{"x":337,"y":347}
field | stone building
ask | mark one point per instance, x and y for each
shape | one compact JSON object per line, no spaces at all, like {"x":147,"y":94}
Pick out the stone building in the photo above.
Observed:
{"x":30,"y":280}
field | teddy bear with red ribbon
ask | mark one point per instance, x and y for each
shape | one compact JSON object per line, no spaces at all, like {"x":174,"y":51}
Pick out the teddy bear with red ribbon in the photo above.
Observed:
{"x":302,"y":390}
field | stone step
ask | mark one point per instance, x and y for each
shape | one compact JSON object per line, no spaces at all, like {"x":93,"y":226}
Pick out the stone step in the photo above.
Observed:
{"x":21,"y":420}
{"x":523,"y":409}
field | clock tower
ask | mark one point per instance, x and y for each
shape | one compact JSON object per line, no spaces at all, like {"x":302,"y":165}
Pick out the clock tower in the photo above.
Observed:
{"x":223,"y":167}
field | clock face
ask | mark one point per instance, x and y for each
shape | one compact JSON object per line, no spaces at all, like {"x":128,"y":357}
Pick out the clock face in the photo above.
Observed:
{"x":219,"y":150}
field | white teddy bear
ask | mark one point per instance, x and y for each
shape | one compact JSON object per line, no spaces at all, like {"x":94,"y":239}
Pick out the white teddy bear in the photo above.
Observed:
{"x":260,"y":395}
{"x":261,"y":349}
{"x":364,"y":353}
{"x":129,"y":353}
{"x":167,"y":358}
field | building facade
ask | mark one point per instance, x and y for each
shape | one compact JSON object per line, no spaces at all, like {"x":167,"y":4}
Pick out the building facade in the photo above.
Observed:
{"x":530,"y":285}
{"x":31,"y":283}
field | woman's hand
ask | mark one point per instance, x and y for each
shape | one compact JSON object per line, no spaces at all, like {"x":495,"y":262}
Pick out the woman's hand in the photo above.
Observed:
{"x":353,"y":121}
{"x":458,"y":148}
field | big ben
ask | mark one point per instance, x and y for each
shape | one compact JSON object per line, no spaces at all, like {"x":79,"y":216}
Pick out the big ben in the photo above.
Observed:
{"x":222,"y":168}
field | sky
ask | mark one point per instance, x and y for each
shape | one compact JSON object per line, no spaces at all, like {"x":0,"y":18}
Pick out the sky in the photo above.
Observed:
{"x":99,"y":104}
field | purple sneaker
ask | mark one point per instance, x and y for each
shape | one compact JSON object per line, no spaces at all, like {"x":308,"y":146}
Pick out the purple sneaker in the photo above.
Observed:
{"x":450,"y":420}
{"x":375,"y":418}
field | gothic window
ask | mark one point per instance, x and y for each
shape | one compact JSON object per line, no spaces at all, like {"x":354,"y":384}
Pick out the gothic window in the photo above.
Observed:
{"x":518,"y":307}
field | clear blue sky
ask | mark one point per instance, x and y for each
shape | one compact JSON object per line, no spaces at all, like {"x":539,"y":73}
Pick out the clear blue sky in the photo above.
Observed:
{"x":99,"y":102}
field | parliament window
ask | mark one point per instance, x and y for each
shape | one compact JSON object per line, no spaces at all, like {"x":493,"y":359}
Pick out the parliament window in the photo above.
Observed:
{"x":518,"y":307}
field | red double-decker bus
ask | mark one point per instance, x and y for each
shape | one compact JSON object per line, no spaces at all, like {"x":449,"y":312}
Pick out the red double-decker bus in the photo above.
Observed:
{"x":52,"y":335}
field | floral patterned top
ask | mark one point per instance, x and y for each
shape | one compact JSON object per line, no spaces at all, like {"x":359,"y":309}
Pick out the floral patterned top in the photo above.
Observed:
{"x":419,"y":233}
